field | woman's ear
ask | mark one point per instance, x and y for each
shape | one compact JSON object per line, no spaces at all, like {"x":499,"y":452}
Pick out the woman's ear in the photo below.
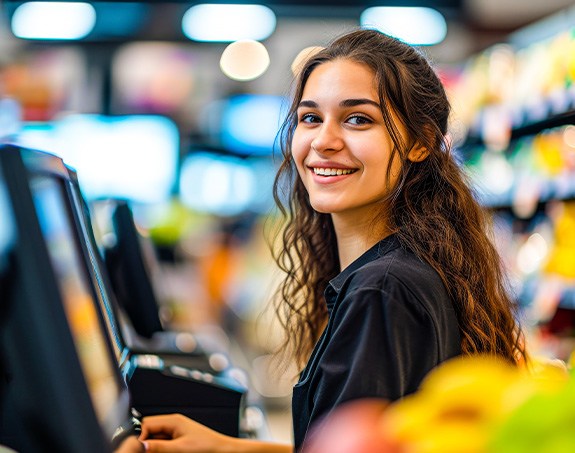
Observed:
{"x":418,"y":153}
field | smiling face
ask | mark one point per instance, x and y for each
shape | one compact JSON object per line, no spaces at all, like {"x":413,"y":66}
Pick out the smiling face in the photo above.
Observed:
{"x":341,"y":145}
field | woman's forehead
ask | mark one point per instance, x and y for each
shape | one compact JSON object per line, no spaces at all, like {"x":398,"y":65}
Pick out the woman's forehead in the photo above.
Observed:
{"x":341,"y":76}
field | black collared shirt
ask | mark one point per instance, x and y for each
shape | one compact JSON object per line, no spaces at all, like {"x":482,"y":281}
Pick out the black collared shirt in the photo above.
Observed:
{"x":390,"y":322}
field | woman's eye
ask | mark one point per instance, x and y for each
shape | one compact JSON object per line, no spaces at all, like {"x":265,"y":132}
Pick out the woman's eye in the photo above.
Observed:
{"x":358,"y":120}
{"x":309,"y":118}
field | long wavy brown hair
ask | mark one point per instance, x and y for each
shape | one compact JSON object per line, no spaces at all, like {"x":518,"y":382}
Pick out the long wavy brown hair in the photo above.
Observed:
{"x":431,"y":209}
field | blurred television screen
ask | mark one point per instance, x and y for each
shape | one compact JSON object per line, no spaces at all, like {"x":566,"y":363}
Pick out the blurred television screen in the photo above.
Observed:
{"x":132,"y":156}
{"x":226,"y":185}
{"x":250,"y":123}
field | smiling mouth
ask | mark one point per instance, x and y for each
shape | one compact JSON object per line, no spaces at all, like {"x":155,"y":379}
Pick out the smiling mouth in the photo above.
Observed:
{"x":333,"y":171}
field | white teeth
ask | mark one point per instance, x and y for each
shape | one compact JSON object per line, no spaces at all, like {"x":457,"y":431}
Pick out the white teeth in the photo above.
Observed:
{"x":331,"y":171}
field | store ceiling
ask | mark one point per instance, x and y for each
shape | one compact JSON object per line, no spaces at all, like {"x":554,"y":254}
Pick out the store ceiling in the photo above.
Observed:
{"x":159,"y":18}
{"x":473,"y":25}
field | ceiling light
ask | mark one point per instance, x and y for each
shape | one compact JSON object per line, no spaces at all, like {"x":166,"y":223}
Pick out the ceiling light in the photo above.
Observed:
{"x":226,"y":23}
{"x":301,"y":58}
{"x":53,"y":20}
{"x":413,"y":25}
{"x":244,"y":60}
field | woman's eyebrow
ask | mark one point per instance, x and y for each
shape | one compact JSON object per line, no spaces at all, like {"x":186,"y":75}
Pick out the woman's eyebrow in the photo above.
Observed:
{"x":356,"y":102}
{"x":309,"y":104}
{"x":344,"y":103}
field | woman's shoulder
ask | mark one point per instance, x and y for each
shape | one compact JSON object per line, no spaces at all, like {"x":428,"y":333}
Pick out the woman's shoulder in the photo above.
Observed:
{"x":400,"y":274}
{"x":399,"y":265}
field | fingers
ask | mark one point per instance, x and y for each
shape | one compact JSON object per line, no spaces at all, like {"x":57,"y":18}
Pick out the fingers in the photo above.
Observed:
{"x":161,"y":426}
{"x":159,"y":446}
{"x":176,"y":433}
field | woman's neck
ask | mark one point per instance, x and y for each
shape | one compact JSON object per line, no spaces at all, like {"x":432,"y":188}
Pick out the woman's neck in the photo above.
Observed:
{"x":355,"y":237}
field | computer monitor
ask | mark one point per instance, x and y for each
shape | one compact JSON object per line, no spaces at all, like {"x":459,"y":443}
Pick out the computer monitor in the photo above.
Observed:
{"x":7,"y":238}
{"x":65,"y":391}
{"x":130,"y":274}
{"x":119,"y":323}
{"x":160,"y":378}
{"x":107,"y":304}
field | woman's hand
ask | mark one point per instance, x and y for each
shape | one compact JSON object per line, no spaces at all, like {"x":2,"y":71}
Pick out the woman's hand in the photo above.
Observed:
{"x":176,"y":433}
{"x":130,"y":445}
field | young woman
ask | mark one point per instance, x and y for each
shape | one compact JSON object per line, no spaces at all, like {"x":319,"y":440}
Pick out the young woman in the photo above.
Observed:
{"x":389,"y":267}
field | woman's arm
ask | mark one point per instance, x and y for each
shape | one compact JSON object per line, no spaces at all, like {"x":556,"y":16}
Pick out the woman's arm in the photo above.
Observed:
{"x":176,"y":433}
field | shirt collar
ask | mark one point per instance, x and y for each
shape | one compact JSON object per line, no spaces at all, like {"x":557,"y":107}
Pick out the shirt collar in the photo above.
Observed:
{"x":380,"y":249}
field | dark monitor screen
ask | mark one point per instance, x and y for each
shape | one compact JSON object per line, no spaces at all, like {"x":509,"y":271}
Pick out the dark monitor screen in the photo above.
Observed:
{"x":99,"y":280}
{"x":65,"y":391}
{"x":7,"y":229}
{"x":79,"y":305}
{"x":130,"y":273}
{"x":7,"y":238}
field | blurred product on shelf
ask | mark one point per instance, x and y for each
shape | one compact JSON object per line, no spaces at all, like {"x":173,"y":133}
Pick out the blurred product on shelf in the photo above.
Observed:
{"x":507,"y":87}
{"x":514,"y":106}
{"x":532,"y":169}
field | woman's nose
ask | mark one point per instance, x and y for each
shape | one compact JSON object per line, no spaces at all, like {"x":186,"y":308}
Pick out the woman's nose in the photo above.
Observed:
{"x":328,"y":137}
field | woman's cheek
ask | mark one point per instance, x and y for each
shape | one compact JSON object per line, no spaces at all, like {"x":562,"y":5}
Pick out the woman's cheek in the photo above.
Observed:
{"x":298,"y":155}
